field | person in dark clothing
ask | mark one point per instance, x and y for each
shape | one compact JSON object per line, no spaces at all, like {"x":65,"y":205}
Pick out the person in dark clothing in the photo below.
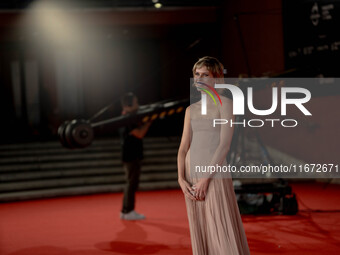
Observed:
{"x":132,"y":155}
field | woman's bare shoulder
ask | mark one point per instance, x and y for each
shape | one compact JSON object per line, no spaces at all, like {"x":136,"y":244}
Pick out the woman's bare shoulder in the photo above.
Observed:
{"x":193,"y":106}
{"x":226,"y":101}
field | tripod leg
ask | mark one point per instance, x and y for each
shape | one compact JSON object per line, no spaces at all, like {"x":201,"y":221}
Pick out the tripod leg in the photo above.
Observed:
{"x":243,"y":146}
{"x":264,"y":151}
{"x":231,"y":157}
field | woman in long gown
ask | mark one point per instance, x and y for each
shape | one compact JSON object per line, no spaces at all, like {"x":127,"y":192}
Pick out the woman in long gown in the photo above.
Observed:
{"x":214,"y":219}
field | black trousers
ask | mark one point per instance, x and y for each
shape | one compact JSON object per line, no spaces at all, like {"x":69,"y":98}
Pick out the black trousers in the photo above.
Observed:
{"x":132,"y":173}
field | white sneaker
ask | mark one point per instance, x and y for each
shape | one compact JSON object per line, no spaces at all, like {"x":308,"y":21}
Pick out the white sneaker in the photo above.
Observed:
{"x":133,"y":215}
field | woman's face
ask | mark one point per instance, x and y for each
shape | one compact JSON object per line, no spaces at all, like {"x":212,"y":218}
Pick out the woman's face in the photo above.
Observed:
{"x":203,"y":75}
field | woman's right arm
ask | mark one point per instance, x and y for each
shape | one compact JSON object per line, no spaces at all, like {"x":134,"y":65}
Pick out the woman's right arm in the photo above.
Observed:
{"x":182,"y":152}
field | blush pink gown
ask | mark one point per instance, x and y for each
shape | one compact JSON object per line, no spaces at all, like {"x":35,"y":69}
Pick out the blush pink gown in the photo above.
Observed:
{"x":216,"y":226}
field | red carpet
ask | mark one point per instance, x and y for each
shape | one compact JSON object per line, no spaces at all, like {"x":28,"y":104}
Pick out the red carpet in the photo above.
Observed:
{"x":90,"y":225}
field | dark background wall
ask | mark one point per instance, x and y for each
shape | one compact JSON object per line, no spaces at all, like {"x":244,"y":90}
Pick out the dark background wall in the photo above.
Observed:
{"x":148,"y":52}
{"x":49,"y":74}
{"x":253,"y":37}
{"x":253,"y":45}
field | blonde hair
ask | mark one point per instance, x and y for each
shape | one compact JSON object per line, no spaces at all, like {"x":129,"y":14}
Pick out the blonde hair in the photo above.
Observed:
{"x":212,"y":64}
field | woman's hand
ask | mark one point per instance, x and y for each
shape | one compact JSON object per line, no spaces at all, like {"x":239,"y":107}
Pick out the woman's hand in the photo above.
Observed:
{"x":201,"y":188}
{"x":187,"y":189}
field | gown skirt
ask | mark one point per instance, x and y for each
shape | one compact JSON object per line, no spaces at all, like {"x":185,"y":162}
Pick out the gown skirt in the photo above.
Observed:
{"x":215,"y":224}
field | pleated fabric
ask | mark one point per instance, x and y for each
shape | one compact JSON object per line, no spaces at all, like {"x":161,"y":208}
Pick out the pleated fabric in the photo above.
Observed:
{"x":215,"y":224}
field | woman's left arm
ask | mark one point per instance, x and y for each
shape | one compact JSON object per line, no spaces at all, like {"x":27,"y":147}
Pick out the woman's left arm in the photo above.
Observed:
{"x":226,"y":133}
